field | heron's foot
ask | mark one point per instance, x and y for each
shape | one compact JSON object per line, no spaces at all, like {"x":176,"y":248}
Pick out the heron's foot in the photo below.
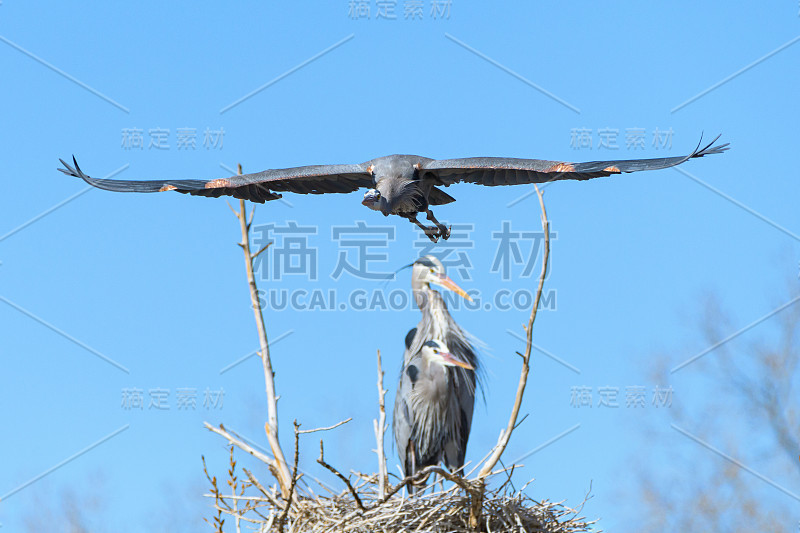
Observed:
{"x":437,"y":232}
{"x":432,"y":232}
{"x":444,"y":231}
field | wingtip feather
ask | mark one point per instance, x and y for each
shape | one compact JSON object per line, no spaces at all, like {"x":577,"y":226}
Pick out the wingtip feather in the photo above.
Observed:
{"x":68,"y":170}
{"x":75,"y":171}
{"x":710,"y":149}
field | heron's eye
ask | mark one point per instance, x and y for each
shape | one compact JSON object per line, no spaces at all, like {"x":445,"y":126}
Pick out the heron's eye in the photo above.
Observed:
{"x":377,"y":195}
{"x":432,"y":271}
{"x":435,"y":351}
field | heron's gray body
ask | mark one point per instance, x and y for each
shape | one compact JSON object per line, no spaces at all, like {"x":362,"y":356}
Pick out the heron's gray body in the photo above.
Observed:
{"x":403,"y":191}
{"x":434,"y":403}
{"x":427,"y":419}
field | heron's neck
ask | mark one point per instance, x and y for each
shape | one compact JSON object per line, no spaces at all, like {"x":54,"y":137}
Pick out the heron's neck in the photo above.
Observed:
{"x":421,"y":294}
{"x":426,"y":297}
{"x":435,"y":318}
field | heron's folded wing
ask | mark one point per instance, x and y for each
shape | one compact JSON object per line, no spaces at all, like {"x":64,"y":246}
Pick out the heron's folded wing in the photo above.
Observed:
{"x":439,"y":197}
{"x":402,"y":422}
{"x":493,"y":171}
{"x":258,"y":187}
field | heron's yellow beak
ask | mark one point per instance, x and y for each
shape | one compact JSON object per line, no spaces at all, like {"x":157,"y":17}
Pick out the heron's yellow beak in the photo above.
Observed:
{"x":450,"y":359}
{"x":448,"y":283}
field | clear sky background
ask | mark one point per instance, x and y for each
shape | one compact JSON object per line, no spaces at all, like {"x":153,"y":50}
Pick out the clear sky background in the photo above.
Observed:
{"x":155,"y":283}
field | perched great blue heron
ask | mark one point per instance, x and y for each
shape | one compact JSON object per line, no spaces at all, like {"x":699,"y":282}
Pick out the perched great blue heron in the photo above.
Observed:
{"x":403,"y":185}
{"x":428,"y":423}
{"x":434,"y":403}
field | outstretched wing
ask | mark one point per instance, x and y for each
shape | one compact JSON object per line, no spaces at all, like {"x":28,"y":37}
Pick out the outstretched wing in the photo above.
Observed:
{"x":258,"y":187}
{"x":494,"y":171}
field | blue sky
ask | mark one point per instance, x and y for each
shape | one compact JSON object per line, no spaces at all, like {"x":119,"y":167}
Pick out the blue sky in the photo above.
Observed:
{"x":156,"y":284}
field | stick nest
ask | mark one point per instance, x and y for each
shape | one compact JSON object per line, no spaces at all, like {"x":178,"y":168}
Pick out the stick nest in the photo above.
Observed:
{"x":255,"y":508}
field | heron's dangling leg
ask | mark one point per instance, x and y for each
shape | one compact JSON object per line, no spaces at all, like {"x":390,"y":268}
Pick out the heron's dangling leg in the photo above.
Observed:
{"x":433,"y":233}
{"x":413,"y":466}
{"x":444,"y":231}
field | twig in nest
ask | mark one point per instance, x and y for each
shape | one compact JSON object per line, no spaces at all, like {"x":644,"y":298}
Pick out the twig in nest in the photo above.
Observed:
{"x":458,"y":480}
{"x":341,"y":476}
{"x":257,"y":484}
{"x":585,"y":498}
{"x":423,"y":474}
{"x":509,"y":473}
{"x":448,"y":510}
{"x":282,"y":519}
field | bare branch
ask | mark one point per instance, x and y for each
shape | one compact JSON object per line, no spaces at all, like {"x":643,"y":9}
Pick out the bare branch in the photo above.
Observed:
{"x":239,"y":443}
{"x":303,"y":431}
{"x":250,"y":220}
{"x":380,"y":430}
{"x":262,"y":249}
{"x":232,"y":209}
{"x":271,"y":426}
{"x":218,"y":520}
{"x":235,"y":440}
{"x":233,"y":483}
{"x":506,"y":435}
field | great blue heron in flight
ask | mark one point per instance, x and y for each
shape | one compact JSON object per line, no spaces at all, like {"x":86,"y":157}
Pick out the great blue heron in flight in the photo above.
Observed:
{"x":435,"y":398}
{"x":403,"y":185}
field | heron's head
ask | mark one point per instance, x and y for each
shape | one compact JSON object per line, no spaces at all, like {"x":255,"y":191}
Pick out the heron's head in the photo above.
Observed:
{"x":437,"y":352}
{"x":428,"y":270}
{"x":375,"y":201}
